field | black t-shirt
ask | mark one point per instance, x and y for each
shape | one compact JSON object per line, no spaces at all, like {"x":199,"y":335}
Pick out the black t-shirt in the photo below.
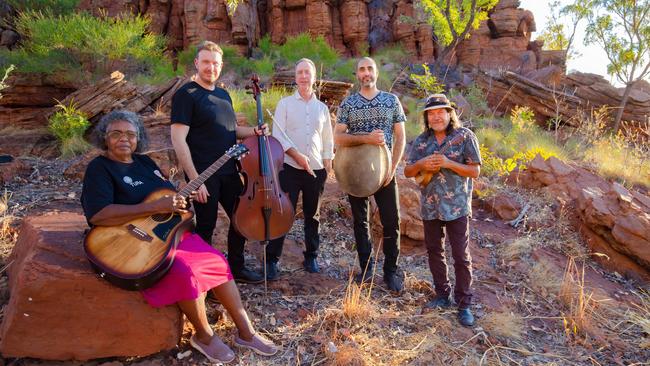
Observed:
{"x":108,"y":181}
{"x":212,"y":121}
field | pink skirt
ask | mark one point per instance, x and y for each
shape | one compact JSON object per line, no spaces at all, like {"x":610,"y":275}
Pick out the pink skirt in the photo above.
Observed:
{"x":196,"y":269}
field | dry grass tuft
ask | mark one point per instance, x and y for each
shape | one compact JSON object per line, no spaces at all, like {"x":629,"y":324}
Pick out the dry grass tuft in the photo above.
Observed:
{"x":515,"y":249}
{"x":356,"y":304}
{"x":578,"y":301}
{"x":346,"y":355}
{"x":640,"y":316}
{"x":543,"y":278}
{"x":7,"y":219}
{"x":504,"y":324}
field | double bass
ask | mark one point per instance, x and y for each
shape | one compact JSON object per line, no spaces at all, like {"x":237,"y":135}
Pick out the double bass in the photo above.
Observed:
{"x":263,"y":211}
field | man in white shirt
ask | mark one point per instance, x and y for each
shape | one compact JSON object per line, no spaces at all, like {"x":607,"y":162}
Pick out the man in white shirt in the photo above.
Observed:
{"x":302,"y":125}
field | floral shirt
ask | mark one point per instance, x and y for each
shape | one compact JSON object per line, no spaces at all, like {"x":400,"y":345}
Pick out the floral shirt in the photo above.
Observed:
{"x":448,"y":196}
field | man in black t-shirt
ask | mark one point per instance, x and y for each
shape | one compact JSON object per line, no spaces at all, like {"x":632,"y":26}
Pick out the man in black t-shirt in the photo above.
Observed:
{"x":204,"y":126}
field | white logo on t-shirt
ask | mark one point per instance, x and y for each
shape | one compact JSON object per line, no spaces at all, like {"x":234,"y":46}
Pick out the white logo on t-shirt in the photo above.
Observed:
{"x":159,"y":174}
{"x":129,"y":180}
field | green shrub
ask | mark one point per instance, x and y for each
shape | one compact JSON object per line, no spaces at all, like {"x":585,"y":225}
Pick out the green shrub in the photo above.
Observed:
{"x":56,"y":7}
{"x":76,"y":41}
{"x":413,"y":124}
{"x":3,"y":85}
{"x":304,"y":45}
{"x":244,"y":103}
{"x":68,"y":125}
{"x":426,"y":83}
{"x":343,"y":70}
{"x":232,"y":59}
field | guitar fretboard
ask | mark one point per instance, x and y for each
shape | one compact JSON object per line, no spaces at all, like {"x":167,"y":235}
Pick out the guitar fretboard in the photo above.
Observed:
{"x":194,"y":184}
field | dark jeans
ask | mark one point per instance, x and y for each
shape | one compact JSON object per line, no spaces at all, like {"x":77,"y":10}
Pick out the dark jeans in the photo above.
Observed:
{"x":387,"y":200}
{"x":294,"y":181}
{"x":223,"y":189}
{"x":434,"y":237}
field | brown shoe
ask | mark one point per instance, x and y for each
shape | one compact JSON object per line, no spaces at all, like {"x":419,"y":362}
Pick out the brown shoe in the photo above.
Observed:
{"x":216,"y":351}
{"x":259,"y":344}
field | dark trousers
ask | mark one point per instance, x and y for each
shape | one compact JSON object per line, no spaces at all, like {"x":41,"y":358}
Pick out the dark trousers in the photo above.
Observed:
{"x":223,"y":189}
{"x":434,"y":237}
{"x":388,"y":203}
{"x":294,"y":181}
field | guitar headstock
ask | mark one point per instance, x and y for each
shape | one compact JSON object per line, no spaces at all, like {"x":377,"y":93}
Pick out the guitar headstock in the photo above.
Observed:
{"x":237,"y":151}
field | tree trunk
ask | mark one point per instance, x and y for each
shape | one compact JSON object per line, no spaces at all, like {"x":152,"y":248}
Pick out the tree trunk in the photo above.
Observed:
{"x":621,"y":107}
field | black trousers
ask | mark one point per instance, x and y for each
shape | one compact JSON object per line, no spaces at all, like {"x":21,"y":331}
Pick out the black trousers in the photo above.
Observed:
{"x":387,"y":200}
{"x":223,"y":189}
{"x":434,"y":237}
{"x":294,"y":181}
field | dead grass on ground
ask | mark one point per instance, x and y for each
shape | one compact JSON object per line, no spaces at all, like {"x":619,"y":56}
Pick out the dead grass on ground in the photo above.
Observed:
{"x":579,"y":303}
{"x":504,"y":324}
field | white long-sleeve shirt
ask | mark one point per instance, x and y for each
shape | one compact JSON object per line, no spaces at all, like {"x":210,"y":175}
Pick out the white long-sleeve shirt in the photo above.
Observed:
{"x":307,"y":128}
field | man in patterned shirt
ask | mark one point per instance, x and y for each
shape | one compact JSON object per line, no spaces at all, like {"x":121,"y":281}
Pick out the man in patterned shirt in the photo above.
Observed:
{"x":446,"y":202}
{"x":371,"y":116}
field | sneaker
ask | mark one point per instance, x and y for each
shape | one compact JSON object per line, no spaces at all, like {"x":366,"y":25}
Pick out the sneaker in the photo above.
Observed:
{"x":246,"y":275}
{"x":258,"y":344}
{"x":394,"y":282}
{"x":439,"y":302}
{"x":465,"y":317}
{"x":216,"y":351}
{"x":272,"y":271}
{"x":364,"y":276}
{"x":311,"y":265}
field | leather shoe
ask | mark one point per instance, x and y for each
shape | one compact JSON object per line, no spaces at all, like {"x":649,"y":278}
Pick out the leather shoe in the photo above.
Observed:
{"x":465,"y":317}
{"x":365,"y":275}
{"x":311,"y":265}
{"x":394,"y":282}
{"x":439,"y":302}
{"x":272,"y":271}
{"x":246,"y":275}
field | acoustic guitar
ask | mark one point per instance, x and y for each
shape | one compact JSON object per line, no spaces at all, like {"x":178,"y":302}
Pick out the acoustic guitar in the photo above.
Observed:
{"x":138,"y":253}
{"x":424,"y":177}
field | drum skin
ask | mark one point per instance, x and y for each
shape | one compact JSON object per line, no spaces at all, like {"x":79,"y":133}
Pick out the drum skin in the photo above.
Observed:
{"x":362,"y":169}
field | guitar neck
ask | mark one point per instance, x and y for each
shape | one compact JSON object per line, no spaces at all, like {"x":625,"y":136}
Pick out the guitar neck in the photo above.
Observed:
{"x":195,"y":183}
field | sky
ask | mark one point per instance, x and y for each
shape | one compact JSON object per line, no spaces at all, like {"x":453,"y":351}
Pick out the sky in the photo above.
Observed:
{"x":593,"y":59}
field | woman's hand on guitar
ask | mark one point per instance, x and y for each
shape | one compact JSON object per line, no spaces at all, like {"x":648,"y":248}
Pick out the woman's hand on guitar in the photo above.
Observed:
{"x":201,"y":195}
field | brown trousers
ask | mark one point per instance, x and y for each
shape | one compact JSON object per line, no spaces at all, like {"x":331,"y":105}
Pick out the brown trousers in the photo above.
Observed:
{"x":434,"y":237}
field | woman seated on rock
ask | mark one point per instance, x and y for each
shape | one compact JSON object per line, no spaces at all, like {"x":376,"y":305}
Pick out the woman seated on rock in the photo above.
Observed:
{"x":115,"y":184}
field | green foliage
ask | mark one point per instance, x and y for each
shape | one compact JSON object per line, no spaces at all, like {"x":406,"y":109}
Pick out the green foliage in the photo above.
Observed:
{"x":3,"y":85}
{"x":232,"y":59}
{"x":75,"y":41}
{"x":56,"y":7}
{"x":68,"y":125}
{"x":243,"y":103}
{"x":562,"y":24}
{"x":315,"y":48}
{"x":622,"y":29}
{"x":427,"y":84}
{"x":265,"y":45}
{"x":185,"y":60}
{"x":452,"y":20}
{"x":393,"y":56}
{"x":477,"y":103}
{"x":522,"y":118}
{"x":414,"y":125}
{"x":344,"y":70}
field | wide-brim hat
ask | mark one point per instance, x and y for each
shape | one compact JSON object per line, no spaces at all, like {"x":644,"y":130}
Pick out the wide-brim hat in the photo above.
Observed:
{"x":437,"y":101}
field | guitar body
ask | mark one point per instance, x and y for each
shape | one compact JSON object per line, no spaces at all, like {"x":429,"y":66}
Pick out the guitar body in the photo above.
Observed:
{"x":136,"y":254}
{"x":423,"y":178}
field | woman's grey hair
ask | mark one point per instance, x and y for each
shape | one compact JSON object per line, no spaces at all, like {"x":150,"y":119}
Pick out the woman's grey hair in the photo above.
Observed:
{"x":99,"y":134}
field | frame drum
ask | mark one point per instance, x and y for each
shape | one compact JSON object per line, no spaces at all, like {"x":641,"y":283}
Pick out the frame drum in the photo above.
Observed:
{"x":362,"y":170}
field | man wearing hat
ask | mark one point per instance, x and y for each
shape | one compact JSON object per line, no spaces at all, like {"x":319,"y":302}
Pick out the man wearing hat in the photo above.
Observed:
{"x":446,"y":201}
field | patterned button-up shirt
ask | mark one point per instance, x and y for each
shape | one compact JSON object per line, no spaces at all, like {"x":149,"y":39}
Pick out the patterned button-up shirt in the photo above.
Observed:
{"x":448,"y":196}
{"x":379,"y":113}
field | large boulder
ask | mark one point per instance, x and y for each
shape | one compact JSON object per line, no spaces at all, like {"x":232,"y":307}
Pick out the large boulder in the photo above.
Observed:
{"x":60,"y":310}
{"x":613,"y":220}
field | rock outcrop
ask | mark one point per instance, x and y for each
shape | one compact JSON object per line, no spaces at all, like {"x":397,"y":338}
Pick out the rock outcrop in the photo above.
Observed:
{"x":61,"y":310}
{"x":349,"y":26}
{"x":613,"y":220}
